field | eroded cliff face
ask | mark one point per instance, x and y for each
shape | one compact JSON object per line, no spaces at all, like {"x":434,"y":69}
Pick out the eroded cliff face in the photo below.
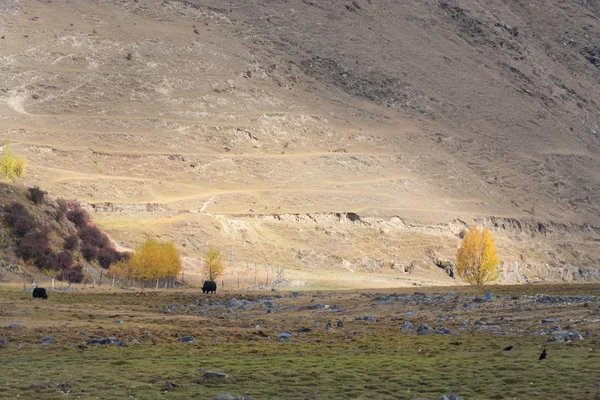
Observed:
{"x":530,"y":250}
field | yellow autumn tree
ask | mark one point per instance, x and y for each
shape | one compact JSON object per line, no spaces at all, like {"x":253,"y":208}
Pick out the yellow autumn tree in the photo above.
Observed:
{"x":213,"y":263}
{"x":11,"y":166}
{"x":476,"y":260}
{"x":121,"y":270}
{"x":152,"y":260}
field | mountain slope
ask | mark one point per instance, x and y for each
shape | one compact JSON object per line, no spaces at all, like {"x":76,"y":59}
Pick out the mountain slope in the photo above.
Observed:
{"x":235,"y":122}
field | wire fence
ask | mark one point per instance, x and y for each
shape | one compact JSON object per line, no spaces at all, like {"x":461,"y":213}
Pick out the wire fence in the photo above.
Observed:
{"x":256,"y":276}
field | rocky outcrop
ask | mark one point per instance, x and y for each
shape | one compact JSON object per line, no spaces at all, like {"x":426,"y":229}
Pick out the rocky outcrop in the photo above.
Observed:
{"x":513,"y":226}
{"x":125,"y":207}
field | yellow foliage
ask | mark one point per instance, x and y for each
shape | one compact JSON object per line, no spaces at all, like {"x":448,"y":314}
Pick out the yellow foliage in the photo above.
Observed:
{"x":213,"y":263}
{"x":11,"y":166}
{"x":152,"y":260}
{"x":477,"y":261}
{"x":121,"y":269}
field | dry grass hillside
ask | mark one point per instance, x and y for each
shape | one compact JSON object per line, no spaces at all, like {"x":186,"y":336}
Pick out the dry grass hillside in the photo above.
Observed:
{"x":347,"y":141}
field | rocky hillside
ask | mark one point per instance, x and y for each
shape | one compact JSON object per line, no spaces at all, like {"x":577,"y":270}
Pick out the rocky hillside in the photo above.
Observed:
{"x":341,"y":136}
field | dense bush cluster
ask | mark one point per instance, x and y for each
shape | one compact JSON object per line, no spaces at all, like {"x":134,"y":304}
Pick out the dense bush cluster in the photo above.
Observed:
{"x":19,"y":219}
{"x":34,"y":245}
{"x":95,"y":243}
{"x":32,"y":239}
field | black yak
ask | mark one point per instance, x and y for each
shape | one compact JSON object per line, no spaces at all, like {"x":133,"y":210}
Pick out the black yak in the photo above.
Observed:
{"x":40,"y":293}
{"x":209,"y":286}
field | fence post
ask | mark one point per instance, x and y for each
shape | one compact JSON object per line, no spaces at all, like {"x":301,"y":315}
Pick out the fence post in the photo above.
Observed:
{"x":113,"y":285}
{"x":238,"y":282}
{"x":222,"y":284}
{"x":99,"y":282}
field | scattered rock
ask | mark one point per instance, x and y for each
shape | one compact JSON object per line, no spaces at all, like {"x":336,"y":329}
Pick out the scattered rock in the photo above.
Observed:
{"x":226,"y":396}
{"x":366,"y":318}
{"x":424,"y":329}
{"x":213,"y":374}
{"x":47,"y":340}
{"x":443,"y":331}
{"x":186,"y":339}
{"x":407,"y":325}
{"x":3,"y":342}
{"x":550,"y":320}
{"x":565,"y":336}
{"x":340,"y":324}
{"x":234,"y":303}
{"x":490,"y":328}
{"x":118,"y":321}
{"x":489,"y":296}
{"x":449,"y":396}
{"x":14,"y":326}
{"x":555,"y":328}
{"x":285,"y":336}
{"x":304,"y":330}
{"x":108,"y":340}
{"x":170,"y":385}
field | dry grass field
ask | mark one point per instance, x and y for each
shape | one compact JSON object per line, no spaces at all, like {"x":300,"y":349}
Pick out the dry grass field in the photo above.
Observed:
{"x":277,"y":345}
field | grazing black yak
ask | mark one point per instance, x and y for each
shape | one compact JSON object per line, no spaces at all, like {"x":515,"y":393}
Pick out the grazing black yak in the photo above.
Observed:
{"x":209,"y":286}
{"x":40,"y":293}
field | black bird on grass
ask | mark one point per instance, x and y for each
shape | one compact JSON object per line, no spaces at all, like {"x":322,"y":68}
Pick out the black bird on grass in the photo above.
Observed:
{"x":543,"y":355}
{"x":508,"y":348}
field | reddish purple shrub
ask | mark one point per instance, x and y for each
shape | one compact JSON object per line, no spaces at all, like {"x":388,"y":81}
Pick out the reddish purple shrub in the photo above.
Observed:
{"x":33,"y":246}
{"x":71,"y":243}
{"x":107,"y":256}
{"x":46,"y":260}
{"x":16,"y":208}
{"x":78,"y":216}
{"x":89,"y":251}
{"x":64,"y":260}
{"x":93,"y":236}
{"x":73,"y":274}
{"x":19,"y":219}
